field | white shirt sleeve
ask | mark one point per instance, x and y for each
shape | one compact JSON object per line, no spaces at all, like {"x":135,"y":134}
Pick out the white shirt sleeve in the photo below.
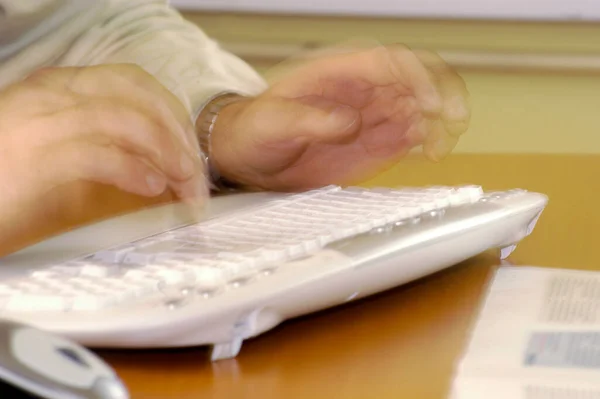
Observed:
{"x":154,"y":36}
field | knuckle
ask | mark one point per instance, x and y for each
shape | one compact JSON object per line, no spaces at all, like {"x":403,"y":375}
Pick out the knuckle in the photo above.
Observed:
{"x":55,"y":77}
{"x":41,"y":75}
{"x":135,"y":123}
{"x":399,"y":47}
{"x":398,"y":51}
{"x":111,"y":75}
{"x":131,"y":71}
{"x":78,"y":75}
{"x":131,"y":67}
{"x":139,"y":120}
{"x":39,"y":97}
{"x":26,"y":93}
{"x":432,"y":60}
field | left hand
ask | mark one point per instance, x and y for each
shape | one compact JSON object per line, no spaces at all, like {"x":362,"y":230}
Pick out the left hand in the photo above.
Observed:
{"x":342,"y":118}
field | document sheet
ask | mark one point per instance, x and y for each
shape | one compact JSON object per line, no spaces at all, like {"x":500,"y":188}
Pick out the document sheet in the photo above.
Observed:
{"x":536,"y":336}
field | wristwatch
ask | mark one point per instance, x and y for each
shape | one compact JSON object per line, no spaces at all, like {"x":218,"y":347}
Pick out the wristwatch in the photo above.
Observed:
{"x":205,"y":127}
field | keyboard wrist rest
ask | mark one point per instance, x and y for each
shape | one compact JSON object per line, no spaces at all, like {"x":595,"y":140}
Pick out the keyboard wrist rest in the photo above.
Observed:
{"x":126,"y":228}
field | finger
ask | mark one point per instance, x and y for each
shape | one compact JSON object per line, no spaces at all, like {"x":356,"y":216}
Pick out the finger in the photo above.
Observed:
{"x":81,"y":160}
{"x":158,"y":96}
{"x":456,"y":111}
{"x":382,"y":66}
{"x":418,"y":132}
{"x":304,"y":120}
{"x":277,"y":72}
{"x":133,"y":85}
{"x":125,"y":126}
{"x":410,"y":71}
{"x":274,"y":132}
{"x":33,"y":97}
{"x":194,"y":191}
{"x":438,"y":143}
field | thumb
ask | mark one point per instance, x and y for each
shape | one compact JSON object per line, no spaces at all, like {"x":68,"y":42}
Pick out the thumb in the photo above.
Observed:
{"x":266,"y":135}
{"x":304,"y":120}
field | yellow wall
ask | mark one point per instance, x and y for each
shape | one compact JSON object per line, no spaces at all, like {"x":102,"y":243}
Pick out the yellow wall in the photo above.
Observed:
{"x":535,"y":87}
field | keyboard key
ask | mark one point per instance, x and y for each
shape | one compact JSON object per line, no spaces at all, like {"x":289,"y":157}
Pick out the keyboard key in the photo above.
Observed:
{"x":34,"y":302}
{"x":227,"y":252}
{"x":114,"y":255}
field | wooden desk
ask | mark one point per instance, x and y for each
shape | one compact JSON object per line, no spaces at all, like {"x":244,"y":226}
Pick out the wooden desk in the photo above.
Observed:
{"x":402,"y":343}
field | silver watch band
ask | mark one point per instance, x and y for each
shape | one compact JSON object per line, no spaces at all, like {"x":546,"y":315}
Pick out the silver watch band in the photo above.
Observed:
{"x":205,"y":130}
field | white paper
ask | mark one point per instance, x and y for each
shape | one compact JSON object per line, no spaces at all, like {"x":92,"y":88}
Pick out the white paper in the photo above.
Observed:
{"x":537,"y":336}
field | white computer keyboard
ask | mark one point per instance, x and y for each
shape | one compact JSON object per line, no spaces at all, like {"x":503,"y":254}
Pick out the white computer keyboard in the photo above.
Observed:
{"x":153,"y":279}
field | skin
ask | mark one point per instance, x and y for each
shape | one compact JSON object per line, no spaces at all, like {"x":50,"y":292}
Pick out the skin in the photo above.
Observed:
{"x":341,"y":119}
{"x":115,"y":126}
{"x":337,"y":118}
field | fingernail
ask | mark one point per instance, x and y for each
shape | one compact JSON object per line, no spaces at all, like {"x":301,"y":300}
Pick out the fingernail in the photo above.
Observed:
{"x":443,"y":147}
{"x":432,"y":102}
{"x":457,"y":109}
{"x":344,"y":116}
{"x":201,"y":189}
{"x":420,"y":131}
{"x":186,"y":164}
{"x":456,"y":128}
{"x":155,"y":183}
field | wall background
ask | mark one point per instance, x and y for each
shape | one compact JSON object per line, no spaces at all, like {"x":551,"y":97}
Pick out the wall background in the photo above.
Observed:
{"x":535,"y":86}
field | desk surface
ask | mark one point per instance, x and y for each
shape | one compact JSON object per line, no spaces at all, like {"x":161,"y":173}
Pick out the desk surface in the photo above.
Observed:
{"x":402,"y":343}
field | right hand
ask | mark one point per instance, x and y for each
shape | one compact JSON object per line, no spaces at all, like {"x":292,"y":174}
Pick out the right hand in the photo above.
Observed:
{"x":113,"y":124}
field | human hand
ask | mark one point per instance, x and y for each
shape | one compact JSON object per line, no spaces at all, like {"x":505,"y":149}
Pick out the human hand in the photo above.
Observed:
{"x":114,"y":125}
{"x":342,"y":118}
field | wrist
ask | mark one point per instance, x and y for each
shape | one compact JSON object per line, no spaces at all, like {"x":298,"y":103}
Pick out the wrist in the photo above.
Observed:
{"x":213,"y":129}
